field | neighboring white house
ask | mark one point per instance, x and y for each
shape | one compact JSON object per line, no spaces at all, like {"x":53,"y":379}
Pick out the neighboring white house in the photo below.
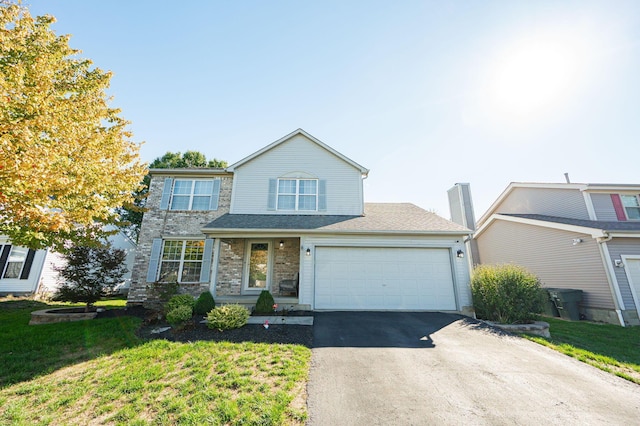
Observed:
{"x":572,"y":235}
{"x":291,"y":219}
{"x":24,"y":271}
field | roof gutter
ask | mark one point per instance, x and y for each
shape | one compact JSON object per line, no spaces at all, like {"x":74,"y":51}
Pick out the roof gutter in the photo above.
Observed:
{"x":297,"y":232}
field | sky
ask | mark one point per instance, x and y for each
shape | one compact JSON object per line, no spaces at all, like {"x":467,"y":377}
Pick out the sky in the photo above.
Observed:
{"x":423,"y":93}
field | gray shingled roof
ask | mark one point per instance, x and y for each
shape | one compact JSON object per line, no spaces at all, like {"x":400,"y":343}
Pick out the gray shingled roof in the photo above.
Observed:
{"x":377,"y":218}
{"x":595,"y":224}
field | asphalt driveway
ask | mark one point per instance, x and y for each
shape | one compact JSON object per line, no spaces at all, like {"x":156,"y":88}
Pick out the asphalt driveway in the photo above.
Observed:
{"x":382,"y":368}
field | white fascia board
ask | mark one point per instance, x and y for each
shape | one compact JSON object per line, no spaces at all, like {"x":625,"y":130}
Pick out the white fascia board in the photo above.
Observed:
{"x":195,"y":172}
{"x":594,"y":232}
{"x":362,"y":169}
{"x":622,"y":234}
{"x":512,"y":185}
{"x":608,"y":187}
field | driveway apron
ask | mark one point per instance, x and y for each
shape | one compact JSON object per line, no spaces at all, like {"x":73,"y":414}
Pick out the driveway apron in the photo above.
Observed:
{"x":402,"y":368}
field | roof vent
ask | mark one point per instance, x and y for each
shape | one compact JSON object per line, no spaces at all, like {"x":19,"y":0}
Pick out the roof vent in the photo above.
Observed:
{"x":566,"y":177}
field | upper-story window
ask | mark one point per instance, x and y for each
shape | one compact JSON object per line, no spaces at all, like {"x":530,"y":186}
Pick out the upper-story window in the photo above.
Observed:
{"x":297,"y":194}
{"x":190,"y":194}
{"x":631,"y":206}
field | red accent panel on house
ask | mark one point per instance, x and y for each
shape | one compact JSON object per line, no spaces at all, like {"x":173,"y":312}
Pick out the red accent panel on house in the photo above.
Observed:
{"x":617,"y":205}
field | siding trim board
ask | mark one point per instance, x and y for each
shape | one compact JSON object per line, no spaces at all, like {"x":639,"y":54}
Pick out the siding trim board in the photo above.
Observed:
{"x":595,"y":233}
{"x":613,"y":282}
{"x":588,"y":201}
{"x":636,"y":296}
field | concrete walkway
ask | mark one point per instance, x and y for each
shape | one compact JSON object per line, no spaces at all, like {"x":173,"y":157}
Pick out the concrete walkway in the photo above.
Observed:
{"x":430,"y":368}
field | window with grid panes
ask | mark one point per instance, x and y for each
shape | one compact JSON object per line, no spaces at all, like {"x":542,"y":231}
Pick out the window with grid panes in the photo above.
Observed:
{"x":181,"y":261}
{"x":631,"y":206}
{"x":189,"y":194}
{"x":297,"y":194}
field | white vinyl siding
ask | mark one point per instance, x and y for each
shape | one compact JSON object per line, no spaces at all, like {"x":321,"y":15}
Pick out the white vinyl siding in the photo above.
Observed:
{"x":603,"y":207}
{"x":29,"y":283}
{"x":297,"y":158}
{"x":551,"y":255}
{"x":617,"y":248}
{"x":547,"y":201}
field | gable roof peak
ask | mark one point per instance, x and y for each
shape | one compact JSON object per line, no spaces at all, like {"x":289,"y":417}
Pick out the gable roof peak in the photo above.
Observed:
{"x":313,"y":139}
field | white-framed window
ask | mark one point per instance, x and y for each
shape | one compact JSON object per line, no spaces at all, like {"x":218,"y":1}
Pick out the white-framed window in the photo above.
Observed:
{"x":191,"y":194}
{"x":297,"y":194}
{"x":15,"y":261}
{"x":631,"y":206}
{"x":181,"y":261}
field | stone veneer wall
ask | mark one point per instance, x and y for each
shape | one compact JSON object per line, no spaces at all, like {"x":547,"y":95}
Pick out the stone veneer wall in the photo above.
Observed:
{"x":158,"y":223}
{"x":230,"y":265}
{"x":286,"y":262}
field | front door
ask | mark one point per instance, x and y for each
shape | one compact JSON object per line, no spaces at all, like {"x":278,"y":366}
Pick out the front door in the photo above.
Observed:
{"x":257,"y":268}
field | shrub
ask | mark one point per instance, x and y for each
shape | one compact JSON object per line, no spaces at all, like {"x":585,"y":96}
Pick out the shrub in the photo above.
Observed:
{"x":179,"y":315}
{"x":163,"y":291}
{"x":204,"y":304}
{"x":180,"y":300}
{"x":508,"y":294}
{"x":265,"y":303}
{"x":89,"y":273}
{"x":227,"y":317}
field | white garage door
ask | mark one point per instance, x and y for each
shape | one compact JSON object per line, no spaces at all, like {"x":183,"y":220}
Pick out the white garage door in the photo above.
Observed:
{"x":383,"y":278}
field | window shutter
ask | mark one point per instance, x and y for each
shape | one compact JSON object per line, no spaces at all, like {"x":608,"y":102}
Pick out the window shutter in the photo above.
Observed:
{"x":322,"y":195}
{"x":272,"y":194}
{"x":3,"y":258}
{"x":166,"y":194}
{"x":27,"y":264}
{"x":205,"y":272}
{"x":156,"y":248}
{"x":215,"y":195}
{"x":619,"y":208}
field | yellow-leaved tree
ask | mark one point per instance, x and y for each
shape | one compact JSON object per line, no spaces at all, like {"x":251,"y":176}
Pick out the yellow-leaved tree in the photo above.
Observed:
{"x":66,"y":158}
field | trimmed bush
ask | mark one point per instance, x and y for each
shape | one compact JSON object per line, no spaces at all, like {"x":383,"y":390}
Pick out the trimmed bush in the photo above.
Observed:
{"x":204,"y":304}
{"x":179,"y":300}
{"x":507,"y":294}
{"x":179,"y":315}
{"x":227,"y":317}
{"x":265,"y":303}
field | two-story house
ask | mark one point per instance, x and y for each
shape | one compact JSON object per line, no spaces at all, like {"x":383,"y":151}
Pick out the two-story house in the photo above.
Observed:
{"x":572,"y":235}
{"x":291,"y":218}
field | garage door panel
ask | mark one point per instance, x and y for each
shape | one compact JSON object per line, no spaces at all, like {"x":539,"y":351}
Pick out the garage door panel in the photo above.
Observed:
{"x":383,"y":278}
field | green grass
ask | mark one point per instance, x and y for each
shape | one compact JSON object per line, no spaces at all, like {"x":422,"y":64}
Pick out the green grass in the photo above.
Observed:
{"x":609,"y":347}
{"x":99,"y":372}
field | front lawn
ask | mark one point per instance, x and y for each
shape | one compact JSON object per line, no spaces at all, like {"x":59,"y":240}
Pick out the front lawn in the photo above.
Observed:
{"x":99,"y":372}
{"x":609,"y":347}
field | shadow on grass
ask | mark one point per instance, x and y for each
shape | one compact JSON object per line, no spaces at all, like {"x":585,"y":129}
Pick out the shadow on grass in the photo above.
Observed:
{"x":29,"y":351}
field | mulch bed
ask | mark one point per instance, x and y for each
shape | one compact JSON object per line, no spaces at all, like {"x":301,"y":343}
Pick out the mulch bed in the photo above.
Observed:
{"x":195,"y":330}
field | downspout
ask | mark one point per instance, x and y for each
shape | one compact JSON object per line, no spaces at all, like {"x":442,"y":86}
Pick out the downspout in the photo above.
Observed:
{"x":611,"y":275}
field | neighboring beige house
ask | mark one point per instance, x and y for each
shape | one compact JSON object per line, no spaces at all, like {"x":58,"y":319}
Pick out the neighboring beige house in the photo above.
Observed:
{"x":572,"y":235}
{"x":291,"y":219}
